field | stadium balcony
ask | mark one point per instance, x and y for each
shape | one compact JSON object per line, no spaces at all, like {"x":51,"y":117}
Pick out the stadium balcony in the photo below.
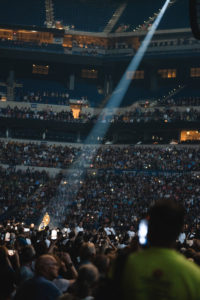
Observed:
{"x":88,"y":91}
{"x":41,"y":91}
{"x":86,"y":50}
{"x":22,"y":12}
{"x":52,"y":92}
{"x":85,"y":16}
{"x":142,"y":94}
{"x":185,"y":96}
{"x":30,"y":46}
{"x":135,"y":94}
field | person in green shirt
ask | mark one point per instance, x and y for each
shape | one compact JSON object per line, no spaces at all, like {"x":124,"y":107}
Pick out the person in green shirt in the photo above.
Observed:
{"x":160,"y":272}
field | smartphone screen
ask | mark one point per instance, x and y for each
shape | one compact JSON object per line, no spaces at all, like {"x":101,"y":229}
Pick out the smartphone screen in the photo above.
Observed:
{"x":11,"y":252}
{"x":28,"y":241}
{"x":7,"y":237}
{"x":54,"y":234}
{"x":142,"y":232}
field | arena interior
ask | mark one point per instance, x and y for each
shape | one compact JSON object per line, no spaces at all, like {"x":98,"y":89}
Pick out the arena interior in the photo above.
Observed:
{"x":79,"y":177}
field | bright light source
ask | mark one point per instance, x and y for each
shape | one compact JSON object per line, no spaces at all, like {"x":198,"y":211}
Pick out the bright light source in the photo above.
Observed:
{"x":99,"y":130}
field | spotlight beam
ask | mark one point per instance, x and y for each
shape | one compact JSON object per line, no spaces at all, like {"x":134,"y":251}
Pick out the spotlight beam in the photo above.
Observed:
{"x":122,"y":87}
{"x":100,"y":128}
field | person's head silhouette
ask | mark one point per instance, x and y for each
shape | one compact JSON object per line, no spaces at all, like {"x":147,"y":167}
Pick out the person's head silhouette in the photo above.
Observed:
{"x":166,"y":219}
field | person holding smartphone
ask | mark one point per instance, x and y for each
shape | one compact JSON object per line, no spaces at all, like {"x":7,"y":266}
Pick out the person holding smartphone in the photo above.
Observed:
{"x":160,"y":272}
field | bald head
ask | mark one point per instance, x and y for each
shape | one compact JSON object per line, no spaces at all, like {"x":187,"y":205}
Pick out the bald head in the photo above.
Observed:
{"x":87,"y":251}
{"x":88,"y":273}
{"x":47,"y":266}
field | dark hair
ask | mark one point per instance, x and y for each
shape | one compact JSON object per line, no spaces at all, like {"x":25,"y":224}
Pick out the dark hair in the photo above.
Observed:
{"x":102,"y":261}
{"x":87,"y":277}
{"x":72,"y":234}
{"x":3,"y":255}
{"x":40,"y":248}
{"x":27,"y":254}
{"x":166,"y":219}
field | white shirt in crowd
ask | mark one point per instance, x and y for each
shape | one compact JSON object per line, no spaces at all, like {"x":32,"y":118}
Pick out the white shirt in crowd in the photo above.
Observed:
{"x":109,"y":230}
{"x":78,"y":229}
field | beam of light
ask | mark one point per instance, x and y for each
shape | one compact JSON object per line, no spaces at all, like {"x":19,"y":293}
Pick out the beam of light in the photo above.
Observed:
{"x":122,"y":87}
{"x":58,"y":205}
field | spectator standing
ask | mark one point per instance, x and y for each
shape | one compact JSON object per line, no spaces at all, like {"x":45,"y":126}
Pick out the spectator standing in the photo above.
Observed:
{"x":40,"y":287}
{"x":160,"y":272}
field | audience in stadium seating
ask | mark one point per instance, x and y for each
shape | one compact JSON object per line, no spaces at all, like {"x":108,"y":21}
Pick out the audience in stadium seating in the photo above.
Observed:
{"x":46,"y":97}
{"x":97,"y":214}
{"x":104,"y":197}
{"x":185,"y":101}
{"x":119,"y":158}
{"x":26,"y":113}
{"x":156,"y":114}
{"x":137,"y":115}
{"x":79,"y":264}
{"x":24,"y":193}
{"x":76,"y":49}
{"x":70,"y":215}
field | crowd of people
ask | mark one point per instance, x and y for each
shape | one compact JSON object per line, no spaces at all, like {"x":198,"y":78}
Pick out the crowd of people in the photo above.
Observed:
{"x":79,"y":263}
{"x":96,"y":199}
{"x":42,"y":97}
{"x":24,"y":193}
{"x":138,"y":158}
{"x":76,"y":48}
{"x":137,"y":115}
{"x":184,"y":101}
{"x":155,"y":115}
{"x":95,"y":211}
{"x":109,"y":222}
{"x":27,"y":113}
